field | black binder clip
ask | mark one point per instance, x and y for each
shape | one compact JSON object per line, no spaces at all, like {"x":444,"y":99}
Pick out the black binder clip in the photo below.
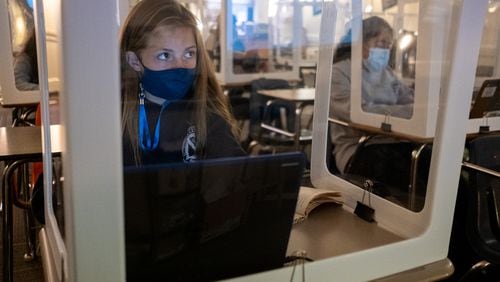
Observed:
{"x":365,"y":212}
{"x":386,"y":126}
{"x":485,"y":128}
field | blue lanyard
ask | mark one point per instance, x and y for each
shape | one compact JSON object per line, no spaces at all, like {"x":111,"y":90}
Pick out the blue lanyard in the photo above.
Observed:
{"x":144,"y":135}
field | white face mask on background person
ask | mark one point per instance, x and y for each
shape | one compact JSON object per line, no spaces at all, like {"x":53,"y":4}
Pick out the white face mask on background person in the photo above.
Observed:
{"x":378,"y":59}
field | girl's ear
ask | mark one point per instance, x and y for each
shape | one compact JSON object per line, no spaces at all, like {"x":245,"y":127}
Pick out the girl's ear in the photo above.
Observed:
{"x":133,"y":61}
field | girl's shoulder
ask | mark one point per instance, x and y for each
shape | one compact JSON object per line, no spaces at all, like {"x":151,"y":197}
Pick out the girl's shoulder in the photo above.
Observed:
{"x":214,"y":119}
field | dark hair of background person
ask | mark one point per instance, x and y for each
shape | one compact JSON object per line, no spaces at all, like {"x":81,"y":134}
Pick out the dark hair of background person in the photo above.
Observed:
{"x":372,"y":27}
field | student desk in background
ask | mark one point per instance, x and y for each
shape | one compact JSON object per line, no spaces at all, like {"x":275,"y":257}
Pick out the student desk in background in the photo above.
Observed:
{"x":422,"y":143}
{"x":18,"y":146}
{"x":330,"y":230}
{"x":302,"y":97}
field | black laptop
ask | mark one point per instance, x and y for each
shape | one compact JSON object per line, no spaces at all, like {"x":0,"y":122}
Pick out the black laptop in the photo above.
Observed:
{"x":212,"y":219}
{"x":487,"y":99}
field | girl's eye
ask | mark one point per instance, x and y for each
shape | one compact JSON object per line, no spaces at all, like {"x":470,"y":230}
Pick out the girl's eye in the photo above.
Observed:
{"x":164,"y":56}
{"x":190,"y":54}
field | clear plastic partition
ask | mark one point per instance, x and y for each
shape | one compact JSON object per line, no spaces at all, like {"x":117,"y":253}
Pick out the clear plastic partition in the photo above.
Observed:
{"x":484,"y":115}
{"x":388,"y":72}
{"x":389,"y":37}
{"x":399,"y":69}
{"x":425,"y":234}
{"x":250,"y":39}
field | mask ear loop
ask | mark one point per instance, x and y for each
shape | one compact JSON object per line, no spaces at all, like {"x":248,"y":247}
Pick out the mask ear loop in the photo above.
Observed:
{"x":144,"y":135}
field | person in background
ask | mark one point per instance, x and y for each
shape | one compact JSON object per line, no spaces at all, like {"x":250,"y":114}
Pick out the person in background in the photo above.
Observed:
{"x":173,"y":109}
{"x":383,"y":159}
{"x":213,"y":45}
{"x":26,"y":79}
{"x":238,"y":44}
{"x":26,"y":66}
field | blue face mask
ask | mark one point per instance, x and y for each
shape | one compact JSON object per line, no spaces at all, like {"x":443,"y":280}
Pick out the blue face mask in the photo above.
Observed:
{"x":378,"y":59}
{"x":171,"y":84}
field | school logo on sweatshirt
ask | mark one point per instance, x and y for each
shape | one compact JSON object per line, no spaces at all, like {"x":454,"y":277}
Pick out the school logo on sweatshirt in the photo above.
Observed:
{"x":189,"y":145}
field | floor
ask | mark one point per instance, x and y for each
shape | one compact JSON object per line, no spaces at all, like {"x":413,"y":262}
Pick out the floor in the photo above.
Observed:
{"x":23,"y":271}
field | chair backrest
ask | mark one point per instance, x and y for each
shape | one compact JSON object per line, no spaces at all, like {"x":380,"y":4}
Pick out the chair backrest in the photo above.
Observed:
{"x":258,"y":102}
{"x":483,"y":230}
{"x":307,"y":76}
{"x":240,"y":106}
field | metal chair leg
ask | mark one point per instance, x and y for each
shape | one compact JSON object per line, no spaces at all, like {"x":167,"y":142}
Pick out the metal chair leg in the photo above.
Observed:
{"x":30,"y":236}
{"x":29,"y":222}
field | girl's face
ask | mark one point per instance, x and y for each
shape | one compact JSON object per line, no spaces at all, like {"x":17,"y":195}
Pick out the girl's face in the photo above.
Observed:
{"x":383,"y":40}
{"x":167,"y":48}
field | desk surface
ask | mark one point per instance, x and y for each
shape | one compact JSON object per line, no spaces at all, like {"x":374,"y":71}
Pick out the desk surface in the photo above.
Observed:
{"x":296,"y":94}
{"x":26,"y":141}
{"x":379,"y":131}
{"x":330,"y":231}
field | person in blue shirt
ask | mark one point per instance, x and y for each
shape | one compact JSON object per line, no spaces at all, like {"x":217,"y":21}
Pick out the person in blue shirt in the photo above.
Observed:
{"x":173,"y":108}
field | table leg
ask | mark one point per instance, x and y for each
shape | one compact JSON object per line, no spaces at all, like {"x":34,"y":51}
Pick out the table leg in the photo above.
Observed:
{"x":298,"y":117}
{"x":29,"y":221}
{"x":299,"y":110}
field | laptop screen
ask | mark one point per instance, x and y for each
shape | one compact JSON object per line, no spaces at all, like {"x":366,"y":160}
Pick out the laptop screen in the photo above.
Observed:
{"x":212,"y":219}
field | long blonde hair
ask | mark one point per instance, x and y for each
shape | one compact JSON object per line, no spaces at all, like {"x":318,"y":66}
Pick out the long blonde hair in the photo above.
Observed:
{"x":142,"y":20}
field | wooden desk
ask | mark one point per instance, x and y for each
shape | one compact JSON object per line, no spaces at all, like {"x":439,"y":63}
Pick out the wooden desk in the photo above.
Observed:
{"x":18,"y":146}
{"x":331,"y":231}
{"x":294,"y":95}
{"x":23,"y":112}
{"x":302,"y":97}
{"x":231,"y":85}
{"x":26,"y":141}
{"x":392,"y":134}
